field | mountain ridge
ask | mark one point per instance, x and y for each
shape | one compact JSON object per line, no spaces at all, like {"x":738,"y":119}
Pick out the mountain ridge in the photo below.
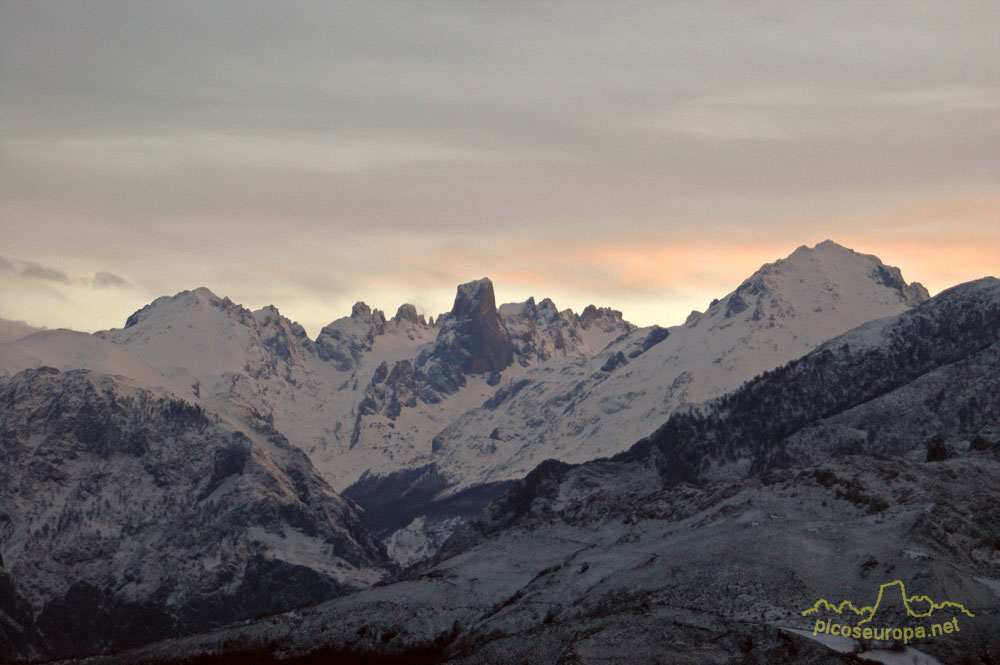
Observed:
{"x":620,"y":558}
{"x":484,"y":392}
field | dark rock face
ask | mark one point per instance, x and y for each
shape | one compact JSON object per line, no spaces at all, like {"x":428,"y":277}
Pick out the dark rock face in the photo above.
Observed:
{"x":938,"y":450}
{"x":390,"y":391}
{"x":143,"y":517}
{"x":18,"y":632}
{"x":614,"y":362}
{"x":408,"y":313}
{"x":736,"y":305}
{"x":393,"y":500}
{"x":474,"y":339}
{"x":654,"y":337}
{"x":913,"y":293}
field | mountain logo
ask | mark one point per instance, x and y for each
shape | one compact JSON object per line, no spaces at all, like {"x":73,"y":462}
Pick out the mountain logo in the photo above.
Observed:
{"x":916,"y":607}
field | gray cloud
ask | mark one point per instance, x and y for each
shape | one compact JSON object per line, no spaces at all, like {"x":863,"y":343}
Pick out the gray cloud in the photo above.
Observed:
{"x":33,"y":270}
{"x":37,"y":271}
{"x":107,"y":280}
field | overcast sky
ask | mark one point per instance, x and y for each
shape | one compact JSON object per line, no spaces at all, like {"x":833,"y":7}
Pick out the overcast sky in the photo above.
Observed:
{"x":647,"y":156}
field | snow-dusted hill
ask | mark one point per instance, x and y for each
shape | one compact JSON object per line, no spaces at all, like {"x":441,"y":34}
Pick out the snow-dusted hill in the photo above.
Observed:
{"x":128,"y":514}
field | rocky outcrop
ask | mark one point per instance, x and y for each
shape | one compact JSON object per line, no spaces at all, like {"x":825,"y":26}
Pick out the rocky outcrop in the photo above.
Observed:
{"x":473,"y":340}
{"x":540,"y":332}
{"x":283,"y":337}
{"x":604,"y":318}
{"x":389,"y":391}
{"x":408,"y":314}
{"x":346,"y":340}
{"x":912,"y":294}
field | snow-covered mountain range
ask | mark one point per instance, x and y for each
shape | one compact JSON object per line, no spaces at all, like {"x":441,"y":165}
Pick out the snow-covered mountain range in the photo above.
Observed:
{"x":873,"y":457}
{"x":420,"y":421}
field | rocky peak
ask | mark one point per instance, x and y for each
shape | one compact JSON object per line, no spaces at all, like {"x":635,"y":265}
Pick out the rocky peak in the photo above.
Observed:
{"x":547,"y":310}
{"x":538,"y":332}
{"x":168,"y":307}
{"x":911,"y":294}
{"x":604,"y":318}
{"x":269,"y":317}
{"x":280,"y":334}
{"x":515,"y":310}
{"x":361,"y":311}
{"x":474,"y":338}
{"x":408,"y":313}
{"x":827,"y":277}
{"x":344,"y":341}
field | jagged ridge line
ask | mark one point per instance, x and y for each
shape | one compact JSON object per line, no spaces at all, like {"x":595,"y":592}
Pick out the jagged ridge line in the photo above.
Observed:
{"x":870,"y":610}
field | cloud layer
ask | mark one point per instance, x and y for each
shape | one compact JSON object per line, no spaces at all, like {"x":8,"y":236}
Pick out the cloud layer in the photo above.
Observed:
{"x":311,"y":154}
{"x":32,"y":271}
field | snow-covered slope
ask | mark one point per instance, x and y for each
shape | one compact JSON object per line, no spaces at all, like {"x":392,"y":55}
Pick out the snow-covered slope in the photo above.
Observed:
{"x":69,"y":349}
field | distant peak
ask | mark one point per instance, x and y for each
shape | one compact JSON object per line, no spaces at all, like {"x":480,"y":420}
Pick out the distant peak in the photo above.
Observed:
{"x":547,"y":304}
{"x":826,"y":271}
{"x":199,"y":297}
{"x":474,"y":288}
{"x":473,"y":296}
{"x":473,"y":338}
{"x":203,"y":292}
{"x":408,"y":312}
{"x":360,"y":309}
{"x":827,"y":246}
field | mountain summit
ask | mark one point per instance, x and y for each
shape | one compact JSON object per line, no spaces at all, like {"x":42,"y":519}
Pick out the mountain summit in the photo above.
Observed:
{"x":473,"y":340}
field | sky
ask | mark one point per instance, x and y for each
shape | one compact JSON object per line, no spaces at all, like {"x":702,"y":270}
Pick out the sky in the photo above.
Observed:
{"x":644,"y":156}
